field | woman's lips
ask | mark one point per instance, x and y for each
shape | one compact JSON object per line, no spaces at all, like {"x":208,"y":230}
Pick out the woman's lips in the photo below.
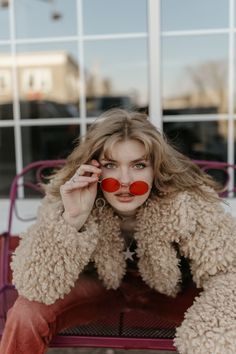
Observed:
{"x":125,"y":197}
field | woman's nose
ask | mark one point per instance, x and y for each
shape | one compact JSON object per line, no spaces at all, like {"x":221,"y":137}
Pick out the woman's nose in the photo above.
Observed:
{"x":125,"y":177}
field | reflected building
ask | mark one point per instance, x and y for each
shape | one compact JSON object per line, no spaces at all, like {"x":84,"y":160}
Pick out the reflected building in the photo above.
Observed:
{"x":52,"y":76}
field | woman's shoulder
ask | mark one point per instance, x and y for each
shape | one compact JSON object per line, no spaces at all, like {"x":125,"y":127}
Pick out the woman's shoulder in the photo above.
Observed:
{"x":196,"y":197}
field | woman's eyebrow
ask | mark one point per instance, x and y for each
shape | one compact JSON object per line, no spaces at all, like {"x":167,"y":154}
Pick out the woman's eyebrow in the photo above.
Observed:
{"x":142,"y":158}
{"x":110,"y":160}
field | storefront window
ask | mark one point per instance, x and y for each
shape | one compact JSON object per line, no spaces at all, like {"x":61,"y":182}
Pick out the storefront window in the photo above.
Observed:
{"x":116,"y":75}
{"x":48,"y":142}
{"x":48,"y":80}
{"x":195,"y":74}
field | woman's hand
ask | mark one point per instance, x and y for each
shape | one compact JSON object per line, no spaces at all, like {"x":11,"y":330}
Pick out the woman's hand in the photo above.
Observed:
{"x":79,"y":193}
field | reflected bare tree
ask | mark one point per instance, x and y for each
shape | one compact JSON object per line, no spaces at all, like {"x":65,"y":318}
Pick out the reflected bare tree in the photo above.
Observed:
{"x":209,"y":80}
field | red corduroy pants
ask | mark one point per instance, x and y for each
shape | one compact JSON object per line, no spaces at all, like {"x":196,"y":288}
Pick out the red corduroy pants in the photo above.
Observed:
{"x":31,"y":325}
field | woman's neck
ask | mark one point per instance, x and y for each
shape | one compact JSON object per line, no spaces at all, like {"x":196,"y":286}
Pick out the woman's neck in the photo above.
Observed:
{"x":126,"y":215}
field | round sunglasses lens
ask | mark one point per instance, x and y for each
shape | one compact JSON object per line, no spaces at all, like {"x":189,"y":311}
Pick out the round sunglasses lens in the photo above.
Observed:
{"x":110,"y":185}
{"x":138,"y":188}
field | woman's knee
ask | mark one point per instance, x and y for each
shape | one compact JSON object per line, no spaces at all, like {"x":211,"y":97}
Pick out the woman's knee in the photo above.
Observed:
{"x":30,"y":314}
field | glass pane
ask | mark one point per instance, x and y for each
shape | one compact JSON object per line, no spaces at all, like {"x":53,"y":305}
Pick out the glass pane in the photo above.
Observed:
{"x":7,"y":160}
{"x":199,"y":140}
{"x":6,"y":84}
{"x":235,"y":148}
{"x":234,"y":85}
{"x":52,"y":18}
{"x":48,"y":79}
{"x":4,"y":19}
{"x":48,"y":142}
{"x":112,"y":16}
{"x":195,"y":74}
{"x":235,"y":13}
{"x":116,"y":75}
{"x":192,"y":14}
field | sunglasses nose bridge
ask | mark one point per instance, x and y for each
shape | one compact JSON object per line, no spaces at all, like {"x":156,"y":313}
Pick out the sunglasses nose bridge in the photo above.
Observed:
{"x":124,"y":184}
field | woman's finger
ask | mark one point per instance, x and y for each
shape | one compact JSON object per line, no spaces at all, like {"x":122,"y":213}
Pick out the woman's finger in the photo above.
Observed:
{"x":68,"y":186}
{"x":90,"y":179}
{"x":87,"y":168}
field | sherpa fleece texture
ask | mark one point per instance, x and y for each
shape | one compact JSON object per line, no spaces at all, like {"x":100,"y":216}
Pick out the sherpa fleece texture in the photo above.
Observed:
{"x":52,"y":254}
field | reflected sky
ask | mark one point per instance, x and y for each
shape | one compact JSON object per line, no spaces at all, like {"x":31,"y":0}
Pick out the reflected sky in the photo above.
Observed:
{"x":49,"y":18}
{"x":122,"y":62}
{"x":5,"y":49}
{"x":182,"y":53}
{"x":112,"y":16}
{"x":192,"y":14}
{"x":39,"y":18}
{"x":103,"y":16}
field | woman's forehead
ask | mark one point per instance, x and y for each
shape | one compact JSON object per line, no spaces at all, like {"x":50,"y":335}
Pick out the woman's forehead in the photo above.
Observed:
{"x":125,"y":150}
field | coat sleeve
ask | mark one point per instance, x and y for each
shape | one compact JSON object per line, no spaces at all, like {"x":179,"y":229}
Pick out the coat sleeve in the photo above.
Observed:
{"x":51,"y":254}
{"x":209,"y":325}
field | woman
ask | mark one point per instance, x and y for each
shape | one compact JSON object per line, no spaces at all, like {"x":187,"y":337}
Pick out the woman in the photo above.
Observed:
{"x":125,"y":203}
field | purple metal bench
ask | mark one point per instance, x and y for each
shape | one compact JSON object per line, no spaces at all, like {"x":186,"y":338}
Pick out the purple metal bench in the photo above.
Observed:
{"x":127,"y":329}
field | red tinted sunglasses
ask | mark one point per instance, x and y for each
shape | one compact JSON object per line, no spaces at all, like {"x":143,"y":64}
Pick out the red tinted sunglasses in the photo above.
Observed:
{"x":112,"y":185}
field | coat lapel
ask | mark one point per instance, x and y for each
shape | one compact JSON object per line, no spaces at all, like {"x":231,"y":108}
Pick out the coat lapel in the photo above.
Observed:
{"x":108,"y":257}
{"x":157,"y":258}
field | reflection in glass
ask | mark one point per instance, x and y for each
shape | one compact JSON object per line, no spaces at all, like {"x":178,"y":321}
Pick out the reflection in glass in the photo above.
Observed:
{"x":235,"y":147}
{"x":234,"y":85}
{"x":116,"y":75}
{"x":112,"y":16}
{"x":45,"y":18}
{"x":6,"y":84}
{"x":48,"y":142}
{"x":192,"y":14}
{"x":199,"y":140}
{"x":194,"y":73}
{"x":7,"y":160}
{"x":48,"y":79}
{"x":4,"y":19}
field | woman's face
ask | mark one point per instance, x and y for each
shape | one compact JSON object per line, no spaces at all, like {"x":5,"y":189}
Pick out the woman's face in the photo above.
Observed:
{"x":127,"y":165}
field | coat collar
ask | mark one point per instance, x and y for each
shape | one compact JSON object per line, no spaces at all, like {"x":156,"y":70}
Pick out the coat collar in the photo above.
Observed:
{"x":157,"y":258}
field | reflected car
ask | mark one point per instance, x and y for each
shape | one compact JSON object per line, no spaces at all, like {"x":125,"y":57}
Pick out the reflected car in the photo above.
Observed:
{"x":98,"y":104}
{"x":35,"y":109}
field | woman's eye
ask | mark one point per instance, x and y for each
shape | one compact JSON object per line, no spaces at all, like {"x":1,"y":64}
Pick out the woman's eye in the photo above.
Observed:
{"x":109,"y":165}
{"x":140,"y":166}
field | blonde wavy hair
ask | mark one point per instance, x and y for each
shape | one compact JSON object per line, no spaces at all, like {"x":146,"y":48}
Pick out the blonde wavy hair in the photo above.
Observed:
{"x":173,"y":172}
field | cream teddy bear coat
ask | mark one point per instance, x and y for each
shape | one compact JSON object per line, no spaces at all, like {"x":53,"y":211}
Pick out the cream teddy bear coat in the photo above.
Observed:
{"x":52,"y":254}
